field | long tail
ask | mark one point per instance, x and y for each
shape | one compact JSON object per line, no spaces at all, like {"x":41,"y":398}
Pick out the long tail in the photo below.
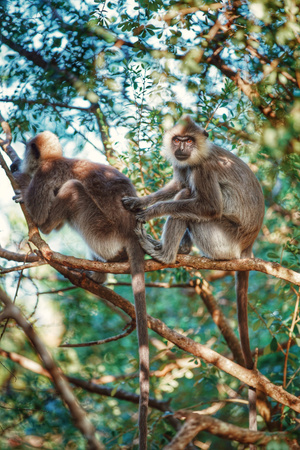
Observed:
{"x":136,"y":258}
{"x":242,"y":280}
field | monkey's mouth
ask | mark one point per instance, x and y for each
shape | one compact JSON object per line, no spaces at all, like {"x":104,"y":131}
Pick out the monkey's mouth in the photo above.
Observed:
{"x":181,"y":157}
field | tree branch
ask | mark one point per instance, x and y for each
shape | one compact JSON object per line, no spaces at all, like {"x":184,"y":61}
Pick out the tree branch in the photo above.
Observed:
{"x":130,"y":327}
{"x":202,"y":288}
{"x":193,"y":262}
{"x":78,"y":414}
{"x":252,"y":378}
{"x":89,"y":386}
{"x":197,"y":422}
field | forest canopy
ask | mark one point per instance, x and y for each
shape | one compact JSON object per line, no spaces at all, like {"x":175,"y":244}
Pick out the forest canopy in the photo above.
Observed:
{"x":109,"y":78}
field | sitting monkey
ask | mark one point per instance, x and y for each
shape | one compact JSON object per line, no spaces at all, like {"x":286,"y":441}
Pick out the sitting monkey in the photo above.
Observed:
{"x":88,"y":196}
{"x":214,"y":196}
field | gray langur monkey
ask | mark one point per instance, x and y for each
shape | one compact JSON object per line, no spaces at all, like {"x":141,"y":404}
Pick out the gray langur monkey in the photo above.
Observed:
{"x":215,"y":198}
{"x":88,"y":196}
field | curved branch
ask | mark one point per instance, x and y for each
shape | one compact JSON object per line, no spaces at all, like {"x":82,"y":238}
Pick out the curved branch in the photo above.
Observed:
{"x":193,"y":262}
{"x":203,"y":289}
{"x":78,"y":414}
{"x":252,"y":378}
{"x":197,"y":422}
{"x":89,"y":386}
{"x":130,"y":327}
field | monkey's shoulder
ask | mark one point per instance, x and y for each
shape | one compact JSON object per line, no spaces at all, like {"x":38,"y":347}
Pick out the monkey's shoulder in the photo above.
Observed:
{"x":223,"y":162}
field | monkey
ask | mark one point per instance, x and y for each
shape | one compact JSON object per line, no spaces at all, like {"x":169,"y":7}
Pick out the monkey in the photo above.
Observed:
{"x":87,"y":196}
{"x":213,"y":200}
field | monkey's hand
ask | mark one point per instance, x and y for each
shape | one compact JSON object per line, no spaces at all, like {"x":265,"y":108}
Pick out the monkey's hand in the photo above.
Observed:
{"x":142,"y":216}
{"x":132,"y":204}
{"x":18,"y":197}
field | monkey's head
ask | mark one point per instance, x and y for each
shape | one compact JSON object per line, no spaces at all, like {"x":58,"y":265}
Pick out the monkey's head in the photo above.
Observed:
{"x":43,"y":146}
{"x":186,"y":143}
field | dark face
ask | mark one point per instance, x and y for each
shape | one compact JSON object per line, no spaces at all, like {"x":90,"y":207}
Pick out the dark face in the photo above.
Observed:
{"x":182,"y":147}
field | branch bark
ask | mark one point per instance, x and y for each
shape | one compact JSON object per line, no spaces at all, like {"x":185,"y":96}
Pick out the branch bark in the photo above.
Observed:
{"x":202,"y":288}
{"x":252,"y":378}
{"x":78,"y":414}
{"x":193,"y":262}
{"x":89,"y":386}
{"x":197,"y":422}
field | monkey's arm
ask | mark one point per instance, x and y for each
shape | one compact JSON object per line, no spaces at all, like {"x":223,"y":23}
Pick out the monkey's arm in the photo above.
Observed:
{"x":169,"y":191}
{"x":206,"y":204}
{"x":23,"y":181}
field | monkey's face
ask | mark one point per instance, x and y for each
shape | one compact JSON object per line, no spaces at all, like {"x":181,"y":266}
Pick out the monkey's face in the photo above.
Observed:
{"x":182,"y":147}
{"x":31,"y":158}
{"x":186,"y":143}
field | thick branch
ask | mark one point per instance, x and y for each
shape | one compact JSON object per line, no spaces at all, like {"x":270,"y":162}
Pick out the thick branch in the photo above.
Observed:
{"x":194,"y":262}
{"x":78,"y":414}
{"x":197,"y":422}
{"x":252,"y":378}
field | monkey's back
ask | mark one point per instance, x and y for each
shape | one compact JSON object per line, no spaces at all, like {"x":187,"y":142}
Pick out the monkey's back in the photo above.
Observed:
{"x":98,"y":212}
{"x":243,"y":200}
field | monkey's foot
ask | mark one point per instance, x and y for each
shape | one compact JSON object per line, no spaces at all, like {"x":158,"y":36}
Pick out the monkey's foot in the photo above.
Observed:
{"x":151,"y":246}
{"x":186,"y":244}
{"x":18,"y":198}
{"x":99,"y":277}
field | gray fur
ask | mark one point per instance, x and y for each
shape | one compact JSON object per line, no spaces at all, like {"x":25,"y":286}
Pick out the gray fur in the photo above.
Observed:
{"x":218,"y":199}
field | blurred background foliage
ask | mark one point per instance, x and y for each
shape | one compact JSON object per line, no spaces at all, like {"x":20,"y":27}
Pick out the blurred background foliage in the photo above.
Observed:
{"x":109,"y":78}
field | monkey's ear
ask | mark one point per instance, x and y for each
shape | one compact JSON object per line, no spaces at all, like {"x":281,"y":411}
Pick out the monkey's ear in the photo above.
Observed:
{"x":35,"y":150}
{"x":205,"y":133}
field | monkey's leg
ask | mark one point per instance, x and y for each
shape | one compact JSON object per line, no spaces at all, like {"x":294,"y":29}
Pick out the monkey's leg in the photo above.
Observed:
{"x":99,"y":277}
{"x":167,"y":250}
{"x":214,"y":240}
{"x":61,"y":207}
{"x":71,"y":194}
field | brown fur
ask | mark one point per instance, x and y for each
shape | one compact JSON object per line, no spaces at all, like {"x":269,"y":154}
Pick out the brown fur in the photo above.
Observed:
{"x":88,"y":196}
{"x":224,"y":211}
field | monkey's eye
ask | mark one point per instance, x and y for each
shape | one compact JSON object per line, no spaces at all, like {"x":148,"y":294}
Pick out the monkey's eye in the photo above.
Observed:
{"x":176,"y":141}
{"x":190,"y":141}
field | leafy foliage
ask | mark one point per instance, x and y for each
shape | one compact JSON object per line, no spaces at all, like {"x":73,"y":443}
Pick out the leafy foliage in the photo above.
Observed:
{"x":109,"y":78}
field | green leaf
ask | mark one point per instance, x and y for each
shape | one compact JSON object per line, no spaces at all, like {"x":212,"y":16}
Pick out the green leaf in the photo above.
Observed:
{"x":274,"y":345}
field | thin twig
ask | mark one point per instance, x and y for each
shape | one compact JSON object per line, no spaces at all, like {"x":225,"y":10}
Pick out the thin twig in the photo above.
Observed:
{"x":130,"y":327}
{"x":22,"y":267}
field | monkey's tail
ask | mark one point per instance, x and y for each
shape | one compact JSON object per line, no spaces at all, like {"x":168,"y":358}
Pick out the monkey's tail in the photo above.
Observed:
{"x":136,"y":258}
{"x":242,"y":302}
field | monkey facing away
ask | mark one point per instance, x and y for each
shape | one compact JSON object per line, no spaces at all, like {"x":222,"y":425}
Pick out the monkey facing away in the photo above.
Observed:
{"x":89,"y":197}
{"x":216,"y":198}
